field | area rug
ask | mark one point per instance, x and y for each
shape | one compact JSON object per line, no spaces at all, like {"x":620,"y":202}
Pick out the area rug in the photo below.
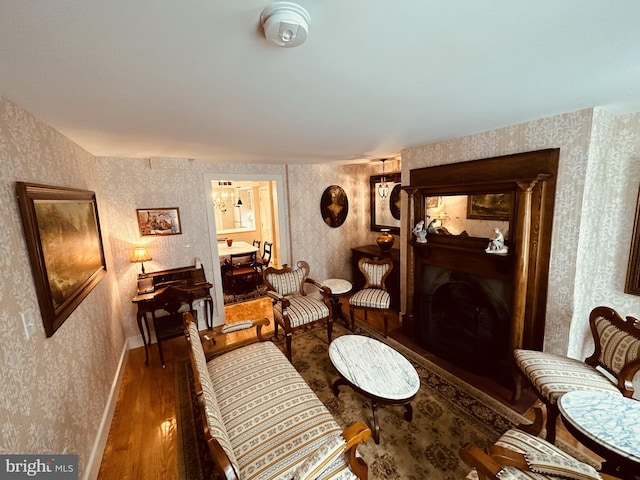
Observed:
{"x":447,"y":413}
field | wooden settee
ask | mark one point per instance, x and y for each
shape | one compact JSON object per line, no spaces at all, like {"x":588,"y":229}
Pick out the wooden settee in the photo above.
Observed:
{"x":262,"y":421}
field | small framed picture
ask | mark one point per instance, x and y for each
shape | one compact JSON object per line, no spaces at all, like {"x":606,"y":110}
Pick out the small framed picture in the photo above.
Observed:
{"x":490,"y":206}
{"x":159,"y":221}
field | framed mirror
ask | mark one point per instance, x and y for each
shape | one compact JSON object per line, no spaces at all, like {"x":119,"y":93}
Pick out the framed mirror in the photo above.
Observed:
{"x":632,"y":284}
{"x":385,"y":212}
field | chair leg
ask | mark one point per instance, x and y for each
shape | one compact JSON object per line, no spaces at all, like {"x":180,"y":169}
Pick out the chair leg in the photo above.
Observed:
{"x":288,"y":342}
{"x":353,"y":318}
{"x":329,"y":328}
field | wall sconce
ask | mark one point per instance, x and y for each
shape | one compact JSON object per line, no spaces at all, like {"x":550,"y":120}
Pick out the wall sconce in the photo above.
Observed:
{"x":383,"y":188}
{"x":141,"y":255}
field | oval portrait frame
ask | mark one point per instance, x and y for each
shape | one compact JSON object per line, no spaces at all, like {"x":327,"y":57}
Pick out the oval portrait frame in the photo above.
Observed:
{"x":334,"y":206}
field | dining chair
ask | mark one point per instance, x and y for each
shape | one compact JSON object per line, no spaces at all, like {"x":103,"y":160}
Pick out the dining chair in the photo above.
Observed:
{"x":266,"y":256}
{"x":241,"y":273}
{"x":293,"y":309}
{"x":617,"y":354}
{"x":374,"y":295}
{"x":256,"y":243}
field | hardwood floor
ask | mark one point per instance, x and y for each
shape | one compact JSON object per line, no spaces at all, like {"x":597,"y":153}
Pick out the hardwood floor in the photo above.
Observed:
{"x":142,"y":442}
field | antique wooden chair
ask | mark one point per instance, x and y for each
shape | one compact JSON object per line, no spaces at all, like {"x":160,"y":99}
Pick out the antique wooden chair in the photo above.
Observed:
{"x":293,"y":309}
{"x":521,"y":456}
{"x":169,"y":306}
{"x":241,"y":273}
{"x":374,"y":295}
{"x":617,"y":352}
{"x":266,"y":256}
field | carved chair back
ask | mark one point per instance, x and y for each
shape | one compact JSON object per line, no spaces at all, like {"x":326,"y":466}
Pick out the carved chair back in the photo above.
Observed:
{"x":375,"y":271}
{"x":287,"y":280}
{"x":617,"y":346}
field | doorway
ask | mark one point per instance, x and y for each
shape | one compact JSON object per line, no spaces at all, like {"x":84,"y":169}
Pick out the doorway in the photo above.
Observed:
{"x":244,"y":207}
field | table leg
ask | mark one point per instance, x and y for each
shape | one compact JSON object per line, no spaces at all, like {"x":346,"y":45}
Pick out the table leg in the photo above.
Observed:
{"x":336,"y":306}
{"x":336,"y":386}
{"x":408,"y":414}
{"x":139,"y":318}
{"x":376,"y":425}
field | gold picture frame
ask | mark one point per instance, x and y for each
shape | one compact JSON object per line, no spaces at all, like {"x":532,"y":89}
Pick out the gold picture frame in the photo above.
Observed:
{"x":62,"y":232}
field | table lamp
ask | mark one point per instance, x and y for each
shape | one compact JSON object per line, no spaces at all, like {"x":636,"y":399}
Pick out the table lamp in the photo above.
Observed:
{"x":141,"y":255}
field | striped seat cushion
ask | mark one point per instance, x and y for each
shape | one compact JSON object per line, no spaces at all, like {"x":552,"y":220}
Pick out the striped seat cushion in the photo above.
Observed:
{"x":371,"y":298}
{"x":302,"y":310}
{"x":273,"y":419}
{"x":554,"y":375}
{"x":522,"y":442}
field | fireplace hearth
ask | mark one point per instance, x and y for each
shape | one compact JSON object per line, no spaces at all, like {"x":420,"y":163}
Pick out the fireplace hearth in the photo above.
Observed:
{"x":464,"y":319}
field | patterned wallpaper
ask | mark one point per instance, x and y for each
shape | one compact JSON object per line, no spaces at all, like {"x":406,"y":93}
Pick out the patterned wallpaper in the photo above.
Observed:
{"x":594,"y":210}
{"x":54,"y":390}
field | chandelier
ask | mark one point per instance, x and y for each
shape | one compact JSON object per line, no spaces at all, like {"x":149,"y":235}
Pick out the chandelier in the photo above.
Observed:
{"x":383,"y":187}
{"x":222,"y":198}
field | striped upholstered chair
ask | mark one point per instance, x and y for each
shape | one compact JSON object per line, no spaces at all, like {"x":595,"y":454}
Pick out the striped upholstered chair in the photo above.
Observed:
{"x":617,"y":351}
{"x":293,"y":309}
{"x":374,"y":295}
{"x":520,"y":456}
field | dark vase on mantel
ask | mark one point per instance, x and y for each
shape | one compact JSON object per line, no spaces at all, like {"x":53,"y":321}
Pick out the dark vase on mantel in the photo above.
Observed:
{"x":385,"y":240}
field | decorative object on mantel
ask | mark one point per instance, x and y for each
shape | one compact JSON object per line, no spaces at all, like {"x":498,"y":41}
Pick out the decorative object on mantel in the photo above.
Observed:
{"x":141,"y":255}
{"x":385,"y":240}
{"x":420,"y":232}
{"x":334,"y":206}
{"x":496,"y":246}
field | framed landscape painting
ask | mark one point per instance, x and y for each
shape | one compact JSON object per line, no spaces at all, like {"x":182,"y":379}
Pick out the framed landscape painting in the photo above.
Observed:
{"x":62,"y":232}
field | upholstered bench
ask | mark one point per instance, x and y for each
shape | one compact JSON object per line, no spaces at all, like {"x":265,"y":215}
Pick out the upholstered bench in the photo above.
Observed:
{"x":262,"y":421}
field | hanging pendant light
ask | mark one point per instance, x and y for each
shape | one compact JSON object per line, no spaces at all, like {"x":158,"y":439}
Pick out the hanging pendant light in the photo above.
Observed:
{"x":383,"y":187}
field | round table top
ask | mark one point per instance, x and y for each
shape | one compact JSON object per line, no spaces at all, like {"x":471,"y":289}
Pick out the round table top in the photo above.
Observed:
{"x":338,"y":286}
{"x":374,"y":367}
{"x":606,"y":418}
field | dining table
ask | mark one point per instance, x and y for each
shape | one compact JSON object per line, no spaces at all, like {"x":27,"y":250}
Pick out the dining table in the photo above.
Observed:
{"x":236,"y":248}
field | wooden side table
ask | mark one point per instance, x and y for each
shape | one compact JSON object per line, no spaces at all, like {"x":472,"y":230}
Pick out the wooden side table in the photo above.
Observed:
{"x":608,"y":424}
{"x":339,"y":288}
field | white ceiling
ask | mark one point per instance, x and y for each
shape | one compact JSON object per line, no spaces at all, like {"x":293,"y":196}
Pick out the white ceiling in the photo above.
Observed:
{"x":197,"y":79}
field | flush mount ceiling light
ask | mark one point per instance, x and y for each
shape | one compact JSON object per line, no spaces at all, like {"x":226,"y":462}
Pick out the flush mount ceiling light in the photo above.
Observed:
{"x":286,"y":24}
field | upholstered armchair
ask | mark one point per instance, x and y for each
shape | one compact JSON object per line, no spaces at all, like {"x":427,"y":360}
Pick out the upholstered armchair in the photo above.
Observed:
{"x":293,"y":309}
{"x":617,"y":351}
{"x":520,"y":456}
{"x":374,"y":295}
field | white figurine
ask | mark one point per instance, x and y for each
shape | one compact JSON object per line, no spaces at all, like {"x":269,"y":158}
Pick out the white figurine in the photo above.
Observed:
{"x":420,"y":232}
{"x":497,"y":245}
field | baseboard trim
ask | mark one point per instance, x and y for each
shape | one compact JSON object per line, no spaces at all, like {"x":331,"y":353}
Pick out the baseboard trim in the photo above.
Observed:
{"x":95,"y":459}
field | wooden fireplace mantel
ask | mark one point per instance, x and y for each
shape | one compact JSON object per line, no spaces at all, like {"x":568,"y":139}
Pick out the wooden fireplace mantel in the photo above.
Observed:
{"x":531,"y":177}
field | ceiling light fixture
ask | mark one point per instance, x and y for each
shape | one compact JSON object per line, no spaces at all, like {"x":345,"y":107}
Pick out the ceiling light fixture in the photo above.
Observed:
{"x":286,"y":24}
{"x":383,"y":188}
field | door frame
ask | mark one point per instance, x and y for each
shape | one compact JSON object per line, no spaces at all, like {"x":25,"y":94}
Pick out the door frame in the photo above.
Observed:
{"x":280,"y":221}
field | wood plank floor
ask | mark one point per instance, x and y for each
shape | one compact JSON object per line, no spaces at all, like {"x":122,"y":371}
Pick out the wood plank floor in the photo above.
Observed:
{"x":142,"y":442}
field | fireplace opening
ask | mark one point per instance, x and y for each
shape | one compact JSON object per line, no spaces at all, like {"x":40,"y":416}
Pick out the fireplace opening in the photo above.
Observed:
{"x":464,"y":319}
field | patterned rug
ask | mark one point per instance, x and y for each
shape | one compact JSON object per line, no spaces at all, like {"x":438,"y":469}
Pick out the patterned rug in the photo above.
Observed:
{"x":447,"y":413}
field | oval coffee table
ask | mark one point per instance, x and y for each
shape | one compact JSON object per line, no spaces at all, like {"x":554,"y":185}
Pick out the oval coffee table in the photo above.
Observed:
{"x":376,"y":371}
